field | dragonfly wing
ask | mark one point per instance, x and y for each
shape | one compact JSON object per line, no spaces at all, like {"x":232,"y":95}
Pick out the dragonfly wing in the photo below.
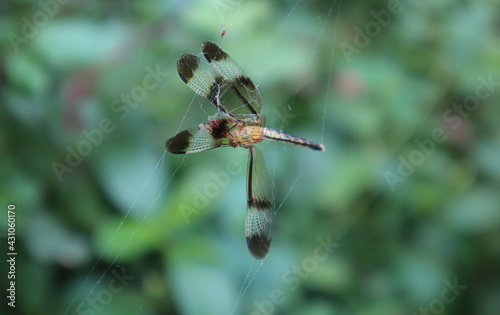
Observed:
{"x":201,"y":78}
{"x":206,"y":136}
{"x":204,"y":79}
{"x":246,"y":99}
{"x":260,"y":207}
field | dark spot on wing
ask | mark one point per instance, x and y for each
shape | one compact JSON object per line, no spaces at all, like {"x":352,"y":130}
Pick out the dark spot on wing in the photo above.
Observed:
{"x":179,"y":143}
{"x":246,"y":82}
{"x":186,"y":66}
{"x":219,"y":128}
{"x":212,"y":52}
{"x":258,"y":245}
{"x":259,"y":204}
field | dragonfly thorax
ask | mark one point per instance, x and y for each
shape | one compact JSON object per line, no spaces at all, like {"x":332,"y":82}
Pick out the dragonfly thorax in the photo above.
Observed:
{"x":244,"y":135}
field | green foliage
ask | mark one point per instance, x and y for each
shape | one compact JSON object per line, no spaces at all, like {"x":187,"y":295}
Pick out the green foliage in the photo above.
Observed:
{"x":407,"y":189}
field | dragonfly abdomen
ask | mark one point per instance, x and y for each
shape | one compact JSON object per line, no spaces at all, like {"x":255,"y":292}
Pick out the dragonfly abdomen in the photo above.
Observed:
{"x":278,"y":135}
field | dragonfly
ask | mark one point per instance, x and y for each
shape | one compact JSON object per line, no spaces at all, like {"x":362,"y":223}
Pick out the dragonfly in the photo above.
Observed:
{"x":239,"y":123}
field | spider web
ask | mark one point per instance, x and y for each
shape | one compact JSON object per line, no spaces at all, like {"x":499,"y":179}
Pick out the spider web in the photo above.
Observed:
{"x":251,"y":274}
{"x":117,"y":258}
{"x":331,"y":13}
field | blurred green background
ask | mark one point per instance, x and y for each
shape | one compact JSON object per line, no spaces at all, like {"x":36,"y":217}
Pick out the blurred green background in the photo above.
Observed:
{"x":404,"y":96}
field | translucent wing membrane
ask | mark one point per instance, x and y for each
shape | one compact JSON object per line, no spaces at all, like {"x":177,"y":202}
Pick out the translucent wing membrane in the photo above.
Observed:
{"x":201,"y":78}
{"x":260,"y":207}
{"x":240,"y":82}
{"x":206,"y":136}
{"x":221,"y":81}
